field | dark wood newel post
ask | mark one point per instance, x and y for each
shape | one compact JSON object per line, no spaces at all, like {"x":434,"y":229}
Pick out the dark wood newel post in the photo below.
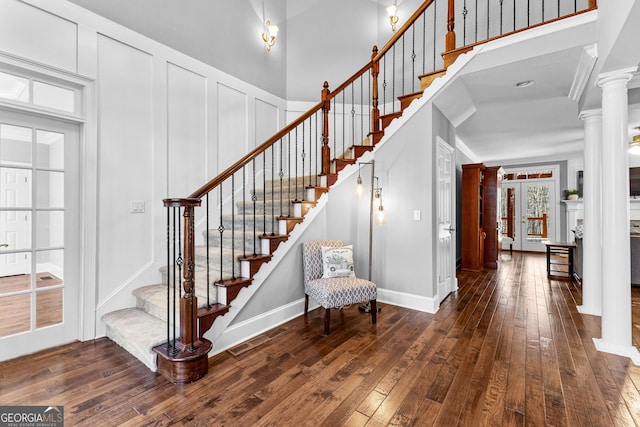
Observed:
{"x":188,"y":302}
{"x":326,"y":151}
{"x":375,"y":112}
{"x":450,"y":38}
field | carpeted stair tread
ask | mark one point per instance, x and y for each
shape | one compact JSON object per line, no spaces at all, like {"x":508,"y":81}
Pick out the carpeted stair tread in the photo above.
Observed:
{"x":137,"y":332}
{"x":153,"y":300}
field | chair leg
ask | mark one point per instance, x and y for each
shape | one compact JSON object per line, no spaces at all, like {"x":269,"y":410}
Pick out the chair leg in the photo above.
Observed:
{"x":306,"y":304}
{"x":374,"y":311}
{"x":327,"y":320}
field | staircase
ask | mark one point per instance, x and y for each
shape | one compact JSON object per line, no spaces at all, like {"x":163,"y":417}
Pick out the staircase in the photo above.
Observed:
{"x":254,"y":206}
{"x":142,"y":328}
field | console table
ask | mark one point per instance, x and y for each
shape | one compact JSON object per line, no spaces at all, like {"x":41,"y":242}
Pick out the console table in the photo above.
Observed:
{"x":564,"y":250}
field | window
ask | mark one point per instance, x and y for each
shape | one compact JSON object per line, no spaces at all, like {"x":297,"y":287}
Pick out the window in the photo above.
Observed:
{"x":34,"y":91}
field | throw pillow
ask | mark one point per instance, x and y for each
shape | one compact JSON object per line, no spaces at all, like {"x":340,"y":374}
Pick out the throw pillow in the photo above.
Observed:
{"x":337,"y":262}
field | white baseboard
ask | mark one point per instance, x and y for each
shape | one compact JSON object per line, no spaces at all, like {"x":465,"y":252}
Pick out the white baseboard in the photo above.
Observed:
{"x":414,"y":302}
{"x":247,"y":329}
{"x":621,"y":350}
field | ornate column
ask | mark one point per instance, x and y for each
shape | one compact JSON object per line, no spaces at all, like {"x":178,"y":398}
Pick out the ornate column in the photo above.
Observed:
{"x":592,"y":190}
{"x":616,"y":293}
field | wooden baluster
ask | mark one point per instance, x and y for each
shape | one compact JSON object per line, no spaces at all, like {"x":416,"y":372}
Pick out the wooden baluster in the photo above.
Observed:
{"x":450,"y":38}
{"x":593,"y":4}
{"x":326,"y":151}
{"x":375,"y":112}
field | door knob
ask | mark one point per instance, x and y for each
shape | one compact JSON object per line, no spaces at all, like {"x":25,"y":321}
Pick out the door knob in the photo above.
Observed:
{"x":4,"y":245}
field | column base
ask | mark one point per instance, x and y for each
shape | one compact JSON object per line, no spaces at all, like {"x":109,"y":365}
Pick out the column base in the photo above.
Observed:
{"x":621,"y":350}
{"x":593,"y":311}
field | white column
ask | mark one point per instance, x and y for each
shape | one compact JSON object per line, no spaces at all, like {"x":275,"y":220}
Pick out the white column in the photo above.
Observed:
{"x":592,"y":240}
{"x":616,"y":292}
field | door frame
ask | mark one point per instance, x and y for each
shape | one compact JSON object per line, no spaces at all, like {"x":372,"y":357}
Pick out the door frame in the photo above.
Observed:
{"x":68,"y":330}
{"x":555,"y":205}
{"x":441,"y":144}
{"x":86,"y":117}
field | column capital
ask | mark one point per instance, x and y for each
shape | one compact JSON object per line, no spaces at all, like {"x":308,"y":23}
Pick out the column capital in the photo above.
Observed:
{"x":621,"y":76}
{"x":590,"y":114}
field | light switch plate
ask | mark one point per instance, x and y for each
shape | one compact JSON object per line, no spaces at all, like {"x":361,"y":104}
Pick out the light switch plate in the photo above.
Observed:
{"x":416,"y":215}
{"x":137,"y":206}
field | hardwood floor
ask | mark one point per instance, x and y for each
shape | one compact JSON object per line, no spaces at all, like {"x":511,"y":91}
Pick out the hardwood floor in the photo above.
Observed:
{"x":508,"y":349}
{"x":15,"y":310}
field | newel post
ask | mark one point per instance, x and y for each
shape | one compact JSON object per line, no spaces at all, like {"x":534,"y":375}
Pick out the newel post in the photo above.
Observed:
{"x":326,"y":151}
{"x":375,"y":112}
{"x":189,"y":302}
{"x":450,"y":38}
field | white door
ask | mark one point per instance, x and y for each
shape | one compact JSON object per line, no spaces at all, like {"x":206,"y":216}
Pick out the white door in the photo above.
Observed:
{"x":445,"y":199}
{"x":39,"y":205}
{"x":528,"y":214}
{"x":15,"y":225}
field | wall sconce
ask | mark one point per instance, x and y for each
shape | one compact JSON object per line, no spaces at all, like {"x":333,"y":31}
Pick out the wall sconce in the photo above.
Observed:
{"x":634,"y":144}
{"x":393,"y":18}
{"x":270,"y":34}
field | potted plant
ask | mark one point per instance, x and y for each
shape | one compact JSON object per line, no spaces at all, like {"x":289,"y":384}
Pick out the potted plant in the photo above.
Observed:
{"x":572,"y":194}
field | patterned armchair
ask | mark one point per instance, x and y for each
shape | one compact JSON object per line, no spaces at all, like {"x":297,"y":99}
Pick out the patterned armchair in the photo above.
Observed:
{"x":334,"y":292}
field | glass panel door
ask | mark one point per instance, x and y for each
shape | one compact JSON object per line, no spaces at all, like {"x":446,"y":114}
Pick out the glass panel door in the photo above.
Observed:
{"x":528,"y":213}
{"x":38,"y":281}
{"x":538,"y":200}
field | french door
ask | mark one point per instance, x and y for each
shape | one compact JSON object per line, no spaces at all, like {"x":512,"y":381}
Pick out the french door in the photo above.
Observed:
{"x":39,"y":233}
{"x":528,"y":214}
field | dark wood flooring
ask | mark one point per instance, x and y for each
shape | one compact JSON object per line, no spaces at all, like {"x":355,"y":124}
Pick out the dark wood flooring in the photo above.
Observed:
{"x":508,"y":349}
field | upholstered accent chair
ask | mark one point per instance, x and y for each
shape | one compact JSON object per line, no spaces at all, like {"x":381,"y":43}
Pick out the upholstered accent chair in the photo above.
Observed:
{"x":333,"y":292}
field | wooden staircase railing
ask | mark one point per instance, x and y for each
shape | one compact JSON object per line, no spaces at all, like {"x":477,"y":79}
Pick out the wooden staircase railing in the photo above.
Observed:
{"x":251,"y":207}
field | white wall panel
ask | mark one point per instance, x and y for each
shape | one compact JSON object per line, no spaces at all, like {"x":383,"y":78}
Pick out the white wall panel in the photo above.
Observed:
{"x":33,"y":33}
{"x":187,"y":130}
{"x":266,"y":115}
{"x":232,"y":126}
{"x":125,"y":101}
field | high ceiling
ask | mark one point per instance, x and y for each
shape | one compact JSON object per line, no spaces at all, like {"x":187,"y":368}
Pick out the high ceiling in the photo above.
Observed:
{"x":500,"y":123}
{"x":495,"y":121}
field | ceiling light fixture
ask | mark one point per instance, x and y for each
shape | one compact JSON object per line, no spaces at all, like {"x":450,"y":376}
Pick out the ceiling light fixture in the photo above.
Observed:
{"x":270,"y":34}
{"x":523,"y":84}
{"x":393,"y":18}
{"x":634,"y":144}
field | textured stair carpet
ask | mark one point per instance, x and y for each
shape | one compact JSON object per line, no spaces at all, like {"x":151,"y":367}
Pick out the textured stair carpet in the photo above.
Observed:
{"x":137,"y":332}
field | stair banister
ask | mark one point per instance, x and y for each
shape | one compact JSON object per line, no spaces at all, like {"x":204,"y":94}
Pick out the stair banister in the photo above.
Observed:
{"x":215,"y":182}
{"x":402,"y":30}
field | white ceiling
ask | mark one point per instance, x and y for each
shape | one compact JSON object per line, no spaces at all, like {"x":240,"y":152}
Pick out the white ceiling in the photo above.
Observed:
{"x":501,"y":124}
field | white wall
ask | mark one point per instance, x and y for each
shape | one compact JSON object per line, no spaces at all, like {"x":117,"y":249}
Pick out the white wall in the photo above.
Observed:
{"x":158,"y":112}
